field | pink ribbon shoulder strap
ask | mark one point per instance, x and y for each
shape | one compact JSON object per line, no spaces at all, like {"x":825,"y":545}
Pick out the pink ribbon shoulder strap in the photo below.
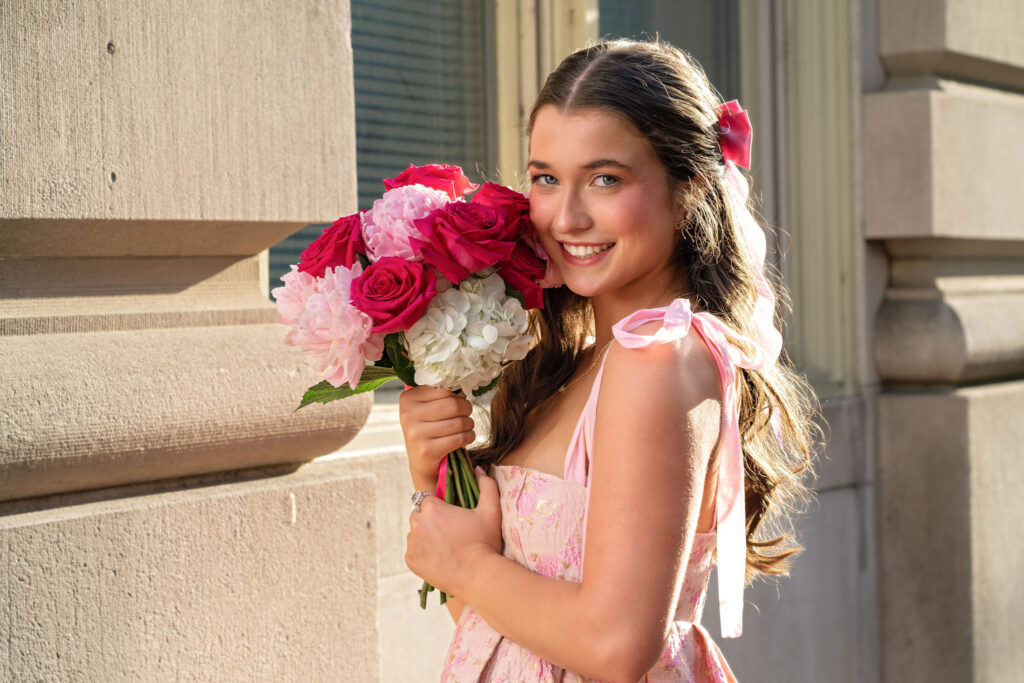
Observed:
{"x":677,"y":320}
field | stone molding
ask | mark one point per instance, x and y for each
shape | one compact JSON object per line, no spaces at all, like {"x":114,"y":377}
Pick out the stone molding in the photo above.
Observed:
{"x":953,"y":312}
{"x":94,"y":409}
{"x":972,"y":40}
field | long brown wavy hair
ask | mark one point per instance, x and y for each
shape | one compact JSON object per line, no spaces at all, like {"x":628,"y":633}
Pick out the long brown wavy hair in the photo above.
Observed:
{"x":666,"y":96}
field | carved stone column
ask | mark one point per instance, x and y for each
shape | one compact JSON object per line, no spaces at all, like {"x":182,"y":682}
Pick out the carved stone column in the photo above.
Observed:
{"x":944,"y":158}
{"x":157,"y":521}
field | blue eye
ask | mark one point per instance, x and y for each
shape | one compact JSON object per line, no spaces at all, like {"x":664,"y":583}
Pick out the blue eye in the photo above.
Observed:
{"x":543,"y":179}
{"x":605,"y":180}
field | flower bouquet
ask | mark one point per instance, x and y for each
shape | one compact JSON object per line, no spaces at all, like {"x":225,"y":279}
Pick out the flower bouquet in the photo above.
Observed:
{"x":426,"y":287}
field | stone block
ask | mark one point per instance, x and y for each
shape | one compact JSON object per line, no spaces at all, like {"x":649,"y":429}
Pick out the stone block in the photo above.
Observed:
{"x":949,"y":498}
{"x":943,"y":163}
{"x":977,"y":40}
{"x":843,"y":461}
{"x":814,"y":624}
{"x":91,"y":410}
{"x":270,"y":579}
{"x":172,"y":114}
{"x":413,"y":642}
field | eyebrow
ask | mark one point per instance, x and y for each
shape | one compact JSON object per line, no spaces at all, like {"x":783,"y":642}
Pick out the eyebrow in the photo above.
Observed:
{"x":597,"y":163}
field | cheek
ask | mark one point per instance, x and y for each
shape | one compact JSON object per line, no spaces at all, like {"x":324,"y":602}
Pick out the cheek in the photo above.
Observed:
{"x":540,"y":216}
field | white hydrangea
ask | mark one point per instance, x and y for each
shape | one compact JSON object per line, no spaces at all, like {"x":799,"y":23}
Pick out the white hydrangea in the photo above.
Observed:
{"x":466,"y":333}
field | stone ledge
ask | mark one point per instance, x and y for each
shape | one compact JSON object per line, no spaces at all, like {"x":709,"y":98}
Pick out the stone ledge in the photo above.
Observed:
{"x":951,"y":340}
{"x":273,"y":579}
{"x":977,"y":40}
{"x":91,"y":410}
{"x":926,"y":178}
{"x":25,"y":238}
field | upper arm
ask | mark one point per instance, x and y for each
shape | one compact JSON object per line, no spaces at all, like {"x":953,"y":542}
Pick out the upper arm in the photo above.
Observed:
{"x":656,"y":426}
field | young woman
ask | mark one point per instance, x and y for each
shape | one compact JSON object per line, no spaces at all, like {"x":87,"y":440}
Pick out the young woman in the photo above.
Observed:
{"x":676,"y":437}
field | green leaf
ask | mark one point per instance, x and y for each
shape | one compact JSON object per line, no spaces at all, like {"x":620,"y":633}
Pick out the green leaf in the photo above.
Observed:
{"x":515,"y":293}
{"x":363,"y":261}
{"x":324,"y":392}
{"x":395,"y":350}
{"x":480,"y":391}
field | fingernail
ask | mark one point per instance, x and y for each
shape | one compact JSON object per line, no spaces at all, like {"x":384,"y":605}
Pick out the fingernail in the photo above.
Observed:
{"x":479,"y":469}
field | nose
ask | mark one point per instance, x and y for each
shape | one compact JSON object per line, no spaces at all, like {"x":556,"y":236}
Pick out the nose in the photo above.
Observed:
{"x":571,"y":214}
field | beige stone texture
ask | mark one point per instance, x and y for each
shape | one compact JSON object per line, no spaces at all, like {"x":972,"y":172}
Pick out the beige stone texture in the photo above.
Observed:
{"x":976,"y":40}
{"x":949,"y":500}
{"x":943,"y":161}
{"x":818,"y":623}
{"x":266,"y":579}
{"x":235,"y":112}
{"x":151,"y":154}
{"x":413,"y":641}
{"x":814,"y":625}
{"x":953,"y":313}
{"x":87,"y":410}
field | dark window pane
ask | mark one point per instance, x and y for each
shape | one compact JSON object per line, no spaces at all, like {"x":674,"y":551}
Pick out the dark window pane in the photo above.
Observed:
{"x":707,"y":29}
{"x":420,"y":97}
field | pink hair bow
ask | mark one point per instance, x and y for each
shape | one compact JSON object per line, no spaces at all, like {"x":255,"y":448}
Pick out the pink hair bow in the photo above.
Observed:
{"x":735,"y":133}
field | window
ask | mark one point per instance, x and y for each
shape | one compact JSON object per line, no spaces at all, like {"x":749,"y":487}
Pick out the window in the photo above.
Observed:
{"x":421,"y":96}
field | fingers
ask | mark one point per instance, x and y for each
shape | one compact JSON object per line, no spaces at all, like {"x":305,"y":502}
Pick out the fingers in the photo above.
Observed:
{"x":443,"y":428}
{"x":441,"y":407}
{"x":488,"y":487}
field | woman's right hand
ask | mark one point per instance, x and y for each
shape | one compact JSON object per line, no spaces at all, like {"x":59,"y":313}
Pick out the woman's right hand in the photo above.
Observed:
{"x":434,"y":422}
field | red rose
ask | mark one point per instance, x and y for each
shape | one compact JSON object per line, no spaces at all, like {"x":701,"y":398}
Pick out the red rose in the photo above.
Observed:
{"x":523,"y":271}
{"x":515,"y":206}
{"x":462,"y":238}
{"x":337,"y":245}
{"x":394,"y":292}
{"x":442,"y":177}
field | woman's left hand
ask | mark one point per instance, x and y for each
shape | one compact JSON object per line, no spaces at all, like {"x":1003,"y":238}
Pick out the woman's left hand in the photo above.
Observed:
{"x":445,"y":541}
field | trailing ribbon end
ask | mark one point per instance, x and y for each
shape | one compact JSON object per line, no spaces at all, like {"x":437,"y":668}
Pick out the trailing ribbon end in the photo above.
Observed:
{"x":442,"y":477}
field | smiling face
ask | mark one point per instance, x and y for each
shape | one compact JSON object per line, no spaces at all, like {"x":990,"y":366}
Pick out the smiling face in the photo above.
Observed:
{"x":601,"y":204}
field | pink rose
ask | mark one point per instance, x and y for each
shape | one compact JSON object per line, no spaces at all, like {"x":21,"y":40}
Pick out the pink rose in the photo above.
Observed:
{"x":443,"y":177}
{"x":394,"y":292}
{"x":337,"y":245}
{"x":523,"y":271}
{"x":462,"y":238}
{"x":515,"y":206}
{"x":552,"y":276}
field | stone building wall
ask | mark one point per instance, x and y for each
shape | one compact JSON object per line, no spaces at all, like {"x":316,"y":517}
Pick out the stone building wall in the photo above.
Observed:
{"x":944,"y":142}
{"x":157,"y":520}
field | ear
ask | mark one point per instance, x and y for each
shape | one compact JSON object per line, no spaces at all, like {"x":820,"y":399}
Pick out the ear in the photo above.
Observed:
{"x":682,"y":200}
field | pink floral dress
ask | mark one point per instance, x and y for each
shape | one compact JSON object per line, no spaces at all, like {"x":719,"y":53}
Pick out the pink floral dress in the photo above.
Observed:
{"x":543,"y":526}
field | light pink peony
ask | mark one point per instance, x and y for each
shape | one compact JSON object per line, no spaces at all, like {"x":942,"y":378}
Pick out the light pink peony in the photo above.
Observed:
{"x":388,"y":226}
{"x":291,"y":299}
{"x":336,"y":334}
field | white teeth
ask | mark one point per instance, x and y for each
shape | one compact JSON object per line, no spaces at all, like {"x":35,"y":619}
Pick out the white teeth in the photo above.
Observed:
{"x":584,"y":251}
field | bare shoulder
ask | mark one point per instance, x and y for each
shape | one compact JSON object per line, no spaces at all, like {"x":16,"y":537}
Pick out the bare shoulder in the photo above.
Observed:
{"x":681,"y":373}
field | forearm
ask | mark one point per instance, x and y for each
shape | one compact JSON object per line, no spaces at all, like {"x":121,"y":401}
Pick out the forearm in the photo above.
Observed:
{"x":554,"y":619}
